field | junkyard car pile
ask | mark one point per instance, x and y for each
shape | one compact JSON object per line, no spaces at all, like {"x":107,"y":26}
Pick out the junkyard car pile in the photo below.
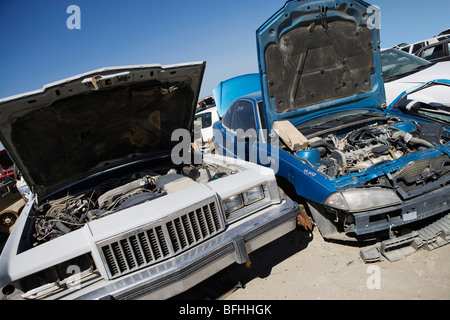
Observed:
{"x":113,"y":216}
{"x":403,"y":71}
{"x":360,"y":166}
{"x":122,"y":209}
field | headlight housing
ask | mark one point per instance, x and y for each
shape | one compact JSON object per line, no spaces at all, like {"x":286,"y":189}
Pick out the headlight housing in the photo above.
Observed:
{"x":241,"y":200}
{"x":232,"y":204}
{"x":253,"y":195}
{"x":357,"y":200}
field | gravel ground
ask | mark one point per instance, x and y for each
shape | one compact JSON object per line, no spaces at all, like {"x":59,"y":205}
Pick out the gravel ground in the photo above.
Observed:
{"x":303,"y":266}
{"x":324,"y":270}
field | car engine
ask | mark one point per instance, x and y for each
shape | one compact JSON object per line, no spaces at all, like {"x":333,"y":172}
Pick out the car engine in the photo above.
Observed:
{"x":371,"y":145}
{"x":58,"y":217}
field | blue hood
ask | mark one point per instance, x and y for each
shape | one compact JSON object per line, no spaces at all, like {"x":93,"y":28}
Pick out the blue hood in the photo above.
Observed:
{"x":320,"y":56}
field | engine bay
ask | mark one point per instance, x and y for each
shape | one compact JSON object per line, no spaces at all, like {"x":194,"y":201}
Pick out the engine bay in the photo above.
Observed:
{"x":355,"y":149}
{"x":57,"y":217}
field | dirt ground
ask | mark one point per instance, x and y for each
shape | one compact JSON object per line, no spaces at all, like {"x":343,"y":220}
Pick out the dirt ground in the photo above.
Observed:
{"x":324,"y":270}
{"x":303,"y":266}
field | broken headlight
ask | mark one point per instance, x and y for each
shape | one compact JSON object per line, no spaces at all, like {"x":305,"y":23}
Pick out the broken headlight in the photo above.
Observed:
{"x":357,"y":200}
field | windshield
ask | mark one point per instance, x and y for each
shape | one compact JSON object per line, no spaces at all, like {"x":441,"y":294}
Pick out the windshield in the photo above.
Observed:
{"x":397,"y":64}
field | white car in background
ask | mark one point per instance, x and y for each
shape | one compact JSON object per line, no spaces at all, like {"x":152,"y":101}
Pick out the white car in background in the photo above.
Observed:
{"x":205,"y":120}
{"x":415,"y":47}
{"x":402,"y":71}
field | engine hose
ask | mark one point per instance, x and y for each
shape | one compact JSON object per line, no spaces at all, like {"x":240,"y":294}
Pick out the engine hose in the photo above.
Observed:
{"x":402,"y":134}
{"x":322,"y":143}
{"x":355,"y":136}
{"x":403,"y":146}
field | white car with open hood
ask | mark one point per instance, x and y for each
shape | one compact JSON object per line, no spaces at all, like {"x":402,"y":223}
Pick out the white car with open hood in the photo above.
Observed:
{"x":111,"y":215}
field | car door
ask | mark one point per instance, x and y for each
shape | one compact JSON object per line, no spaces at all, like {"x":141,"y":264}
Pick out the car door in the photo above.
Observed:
{"x":243,"y":126}
{"x":224,"y":140}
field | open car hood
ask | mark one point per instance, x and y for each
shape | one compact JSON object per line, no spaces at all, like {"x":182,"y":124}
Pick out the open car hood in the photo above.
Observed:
{"x":89,"y":123}
{"x":317,"y":55}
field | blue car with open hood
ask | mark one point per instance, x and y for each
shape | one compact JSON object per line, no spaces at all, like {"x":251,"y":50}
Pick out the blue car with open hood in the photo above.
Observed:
{"x":321,"y":122}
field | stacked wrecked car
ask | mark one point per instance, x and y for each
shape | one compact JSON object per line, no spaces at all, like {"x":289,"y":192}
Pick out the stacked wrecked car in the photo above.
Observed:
{"x":362,"y":168}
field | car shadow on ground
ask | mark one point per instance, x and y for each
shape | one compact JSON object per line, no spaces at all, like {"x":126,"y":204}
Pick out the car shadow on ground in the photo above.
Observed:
{"x":260,"y":265}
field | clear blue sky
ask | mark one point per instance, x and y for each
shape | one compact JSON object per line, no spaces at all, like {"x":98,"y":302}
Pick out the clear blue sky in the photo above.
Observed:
{"x":38,"y":48}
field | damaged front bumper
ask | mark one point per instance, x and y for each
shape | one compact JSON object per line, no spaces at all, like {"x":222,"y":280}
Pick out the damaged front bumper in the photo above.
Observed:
{"x":411,"y":210}
{"x":176,"y":275}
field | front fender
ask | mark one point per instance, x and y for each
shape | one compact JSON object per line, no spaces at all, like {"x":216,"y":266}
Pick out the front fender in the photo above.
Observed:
{"x":308,"y":183}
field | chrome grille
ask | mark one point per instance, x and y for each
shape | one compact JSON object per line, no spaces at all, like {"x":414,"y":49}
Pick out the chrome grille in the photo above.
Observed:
{"x":193,"y":227}
{"x":148,"y":245}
